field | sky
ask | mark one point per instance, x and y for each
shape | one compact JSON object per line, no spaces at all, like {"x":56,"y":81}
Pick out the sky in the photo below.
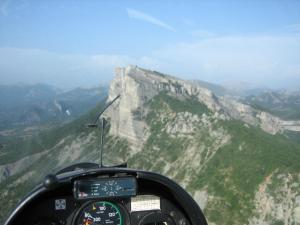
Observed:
{"x":70,"y":43}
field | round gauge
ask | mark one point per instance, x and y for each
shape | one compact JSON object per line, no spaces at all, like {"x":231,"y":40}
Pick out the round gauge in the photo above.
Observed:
{"x":100,"y":213}
{"x":111,"y":188}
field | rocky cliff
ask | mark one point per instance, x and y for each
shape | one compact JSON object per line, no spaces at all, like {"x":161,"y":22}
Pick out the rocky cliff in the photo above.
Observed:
{"x":137,"y":86}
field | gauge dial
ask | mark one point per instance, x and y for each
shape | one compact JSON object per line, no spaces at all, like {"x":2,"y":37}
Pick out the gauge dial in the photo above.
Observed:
{"x":124,"y":187}
{"x":111,"y":188}
{"x":100,"y":213}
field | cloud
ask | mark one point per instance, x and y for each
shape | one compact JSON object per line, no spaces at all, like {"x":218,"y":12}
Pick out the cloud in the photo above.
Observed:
{"x":134,"y":14}
{"x":63,"y":70}
{"x":266,"y":60}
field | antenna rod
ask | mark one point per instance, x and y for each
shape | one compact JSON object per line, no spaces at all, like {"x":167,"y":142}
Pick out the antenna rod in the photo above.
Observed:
{"x":101,"y":144}
{"x":103,"y":124}
{"x":109,"y":104}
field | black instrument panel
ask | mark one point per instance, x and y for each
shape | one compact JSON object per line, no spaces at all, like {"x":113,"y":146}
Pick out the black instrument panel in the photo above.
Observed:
{"x":138,"y":198}
{"x":103,"y":212}
{"x":105,"y":188}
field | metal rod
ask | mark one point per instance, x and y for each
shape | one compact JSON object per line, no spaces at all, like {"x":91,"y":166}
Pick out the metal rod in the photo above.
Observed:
{"x":98,"y":116}
{"x":103,"y":124}
{"x":101,"y":143}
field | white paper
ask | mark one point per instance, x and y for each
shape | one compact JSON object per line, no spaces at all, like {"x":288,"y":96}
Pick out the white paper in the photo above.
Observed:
{"x":144,"y":203}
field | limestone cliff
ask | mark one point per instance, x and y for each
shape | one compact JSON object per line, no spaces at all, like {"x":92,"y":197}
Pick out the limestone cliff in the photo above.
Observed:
{"x":137,"y":86}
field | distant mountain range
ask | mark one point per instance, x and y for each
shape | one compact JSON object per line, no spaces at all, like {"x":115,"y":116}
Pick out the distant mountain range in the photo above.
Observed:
{"x":283,"y":104}
{"x":26,"y":105}
{"x":239,"y":90}
{"x":234,"y":159}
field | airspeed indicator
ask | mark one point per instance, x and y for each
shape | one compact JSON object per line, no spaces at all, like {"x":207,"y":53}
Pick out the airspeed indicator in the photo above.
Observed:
{"x":100,"y":213}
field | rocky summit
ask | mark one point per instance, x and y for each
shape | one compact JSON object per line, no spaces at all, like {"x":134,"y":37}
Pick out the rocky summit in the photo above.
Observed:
{"x":137,"y":86}
{"x":235,"y":160}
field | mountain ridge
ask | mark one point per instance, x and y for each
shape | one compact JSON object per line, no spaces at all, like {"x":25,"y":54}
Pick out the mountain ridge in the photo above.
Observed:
{"x":29,"y":105}
{"x":145,"y":84}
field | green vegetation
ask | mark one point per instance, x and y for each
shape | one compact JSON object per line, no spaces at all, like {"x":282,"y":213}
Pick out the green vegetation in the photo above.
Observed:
{"x":160,"y":143}
{"x":190,"y":104}
{"x":17,"y":148}
{"x":234,"y":175}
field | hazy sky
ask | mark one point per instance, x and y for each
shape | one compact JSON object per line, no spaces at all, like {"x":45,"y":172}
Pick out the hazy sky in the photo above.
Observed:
{"x":78,"y":43}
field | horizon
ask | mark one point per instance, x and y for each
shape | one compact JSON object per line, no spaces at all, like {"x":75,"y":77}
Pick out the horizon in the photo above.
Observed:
{"x":234,"y":86}
{"x":79,"y":44}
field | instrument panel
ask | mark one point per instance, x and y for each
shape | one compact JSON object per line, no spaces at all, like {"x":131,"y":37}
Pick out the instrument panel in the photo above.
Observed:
{"x":103,"y":188}
{"x":109,"y":212}
{"x":106,"y":201}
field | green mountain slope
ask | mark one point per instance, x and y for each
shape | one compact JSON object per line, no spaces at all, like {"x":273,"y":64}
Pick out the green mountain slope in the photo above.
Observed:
{"x":231,"y":172}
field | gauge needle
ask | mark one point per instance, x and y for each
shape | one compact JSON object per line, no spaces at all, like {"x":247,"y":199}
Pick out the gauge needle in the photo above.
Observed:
{"x":88,"y":222}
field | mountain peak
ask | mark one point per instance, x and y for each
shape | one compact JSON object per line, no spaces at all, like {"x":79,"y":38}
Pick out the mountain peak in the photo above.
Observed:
{"x":142,"y":74}
{"x":137,"y":86}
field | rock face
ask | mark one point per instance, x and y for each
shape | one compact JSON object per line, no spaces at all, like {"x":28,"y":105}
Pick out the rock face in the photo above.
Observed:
{"x":137,"y":86}
{"x":278,"y":200}
{"x":265,"y":120}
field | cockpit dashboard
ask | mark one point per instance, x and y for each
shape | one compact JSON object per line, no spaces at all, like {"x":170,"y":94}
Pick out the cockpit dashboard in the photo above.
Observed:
{"x":107,"y":196}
